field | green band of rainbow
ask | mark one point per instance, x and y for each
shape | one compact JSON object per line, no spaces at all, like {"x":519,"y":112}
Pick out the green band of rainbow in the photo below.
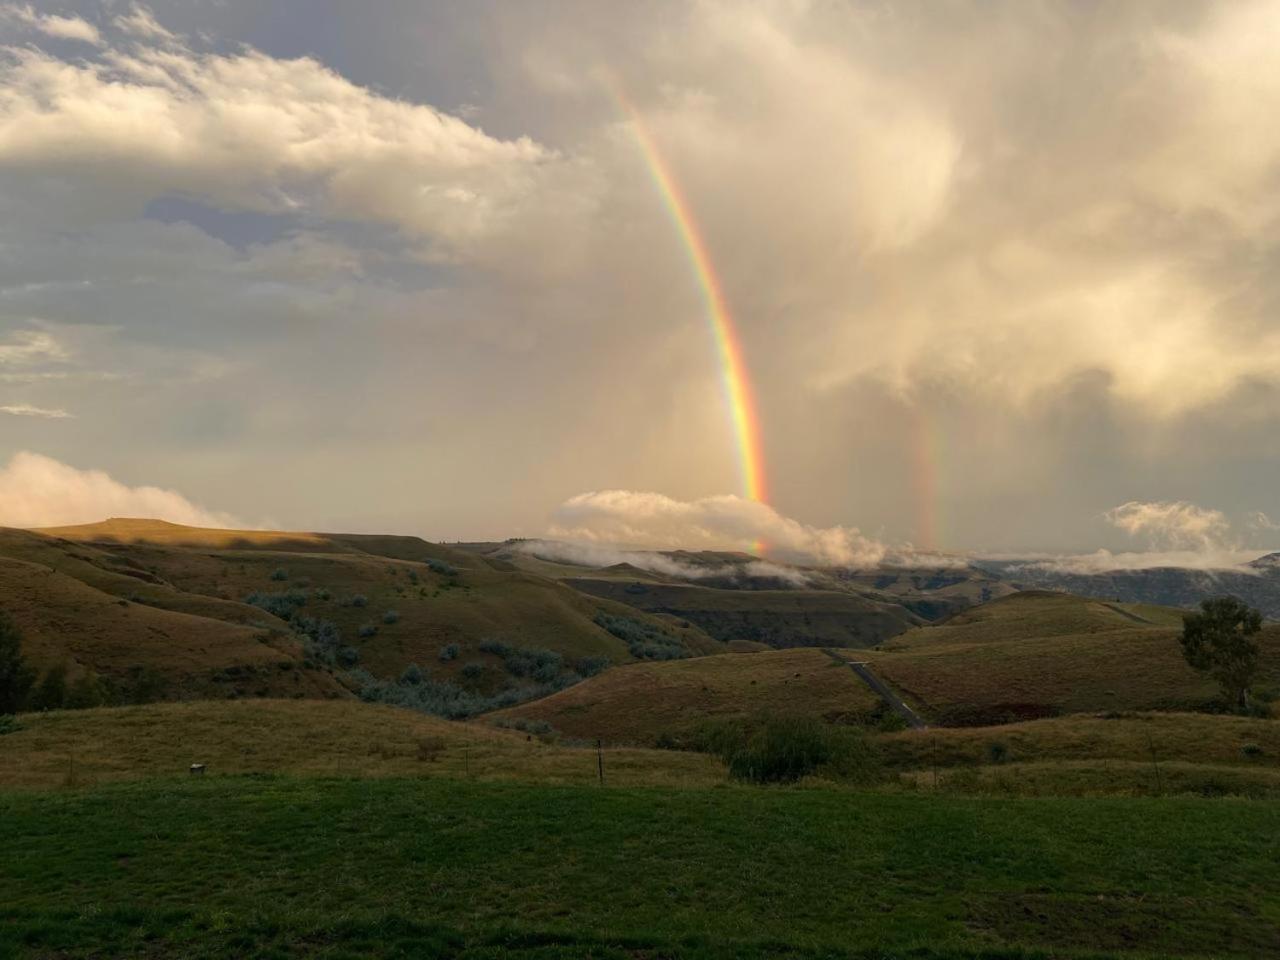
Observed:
{"x":737,"y":387}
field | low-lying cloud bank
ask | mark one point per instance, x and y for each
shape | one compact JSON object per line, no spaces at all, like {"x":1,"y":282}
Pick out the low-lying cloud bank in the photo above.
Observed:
{"x":598,"y":556}
{"x":38,"y":491}
{"x":712,"y":523}
{"x":1178,"y":534}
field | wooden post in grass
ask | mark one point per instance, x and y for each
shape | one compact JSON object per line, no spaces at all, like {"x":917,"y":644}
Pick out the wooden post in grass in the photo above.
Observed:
{"x":935,"y":762}
{"x":600,"y":760}
{"x":1155,"y":763}
{"x":466,"y":760}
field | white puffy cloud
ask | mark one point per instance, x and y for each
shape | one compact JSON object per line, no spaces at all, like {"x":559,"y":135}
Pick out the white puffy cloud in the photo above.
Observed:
{"x":1173,"y":525}
{"x":27,"y":410}
{"x":38,"y":491}
{"x":716,"y":523}
{"x":51,"y":24}
{"x":253,"y":132}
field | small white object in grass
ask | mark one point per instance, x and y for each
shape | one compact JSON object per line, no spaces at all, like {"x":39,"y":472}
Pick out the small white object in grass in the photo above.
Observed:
{"x":197,"y":768}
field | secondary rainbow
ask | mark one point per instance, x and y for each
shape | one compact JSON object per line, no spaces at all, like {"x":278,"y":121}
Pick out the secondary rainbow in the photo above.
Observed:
{"x":737,"y":386}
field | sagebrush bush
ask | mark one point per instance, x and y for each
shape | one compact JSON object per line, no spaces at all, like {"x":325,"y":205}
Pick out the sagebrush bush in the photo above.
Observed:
{"x":279,"y":573}
{"x":449,"y":652}
{"x":366,"y":630}
{"x":473,"y":670}
{"x":644,"y":641}
{"x":412,"y":675}
{"x":786,"y":749}
{"x":439,"y":566}
{"x":283,"y":605}
{"x":391,"y":616}
{"x":359,"y":600}
{"x":997,"y":751}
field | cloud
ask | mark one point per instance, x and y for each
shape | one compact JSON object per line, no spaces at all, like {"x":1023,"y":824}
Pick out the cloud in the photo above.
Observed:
{"x":711,"y":523}
{"x":53,"y":25}
{"x":597,"y":555}
{"x":1105,"y":561}
{"x":27,"y":410}
{"x":38,"y":491}
{"x":141,"y":22}
{"x":248,"y":131}
{"x":1173,"y":525}
{"x":30,"y":346}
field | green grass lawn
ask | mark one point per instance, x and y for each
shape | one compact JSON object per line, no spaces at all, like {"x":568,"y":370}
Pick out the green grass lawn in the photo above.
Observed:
{"x":285,"y":867}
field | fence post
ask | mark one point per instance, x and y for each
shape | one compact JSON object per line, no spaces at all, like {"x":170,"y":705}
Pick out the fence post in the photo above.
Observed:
{"x":600,"y":760}
{"x":1155,"y":763}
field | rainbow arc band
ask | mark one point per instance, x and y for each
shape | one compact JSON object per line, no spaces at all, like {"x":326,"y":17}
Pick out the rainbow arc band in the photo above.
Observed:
{"x":739,"y":396}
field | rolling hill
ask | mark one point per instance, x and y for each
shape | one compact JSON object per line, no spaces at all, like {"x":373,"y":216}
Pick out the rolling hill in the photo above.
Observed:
{"x":646,"y":702}
{"x":218,"y":606}
{"x":1036,"y":654}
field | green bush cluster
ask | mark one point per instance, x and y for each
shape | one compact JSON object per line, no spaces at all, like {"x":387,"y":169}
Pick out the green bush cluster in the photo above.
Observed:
{"x":283,"y":604}
{"x":785,"y":749}
{"x":644,"y":641}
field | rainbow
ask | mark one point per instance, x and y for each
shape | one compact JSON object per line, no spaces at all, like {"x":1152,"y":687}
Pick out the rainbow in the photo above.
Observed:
{"x":737,"y":386}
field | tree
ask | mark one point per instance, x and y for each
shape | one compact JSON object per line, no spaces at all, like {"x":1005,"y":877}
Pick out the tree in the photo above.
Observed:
{"x":1217,"y":641}
{"x":51,"y":691}
{"x":15,"y":676}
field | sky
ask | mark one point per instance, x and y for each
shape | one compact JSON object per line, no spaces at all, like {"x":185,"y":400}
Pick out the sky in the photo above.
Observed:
{"x":1003,"y":277}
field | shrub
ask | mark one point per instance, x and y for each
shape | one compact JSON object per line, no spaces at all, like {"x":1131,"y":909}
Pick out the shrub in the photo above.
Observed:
{"x":321,"y":639}
{"x":412,"y":675}
{"x":413,"y":576}
{"x":16,"y":676}
{"x":9,"y":724}
{"x":366,"y":630}
{"x":541,"y":665}
{"x":495,"y":647}
{"x":439,"y":566}
{"x":348,"y":656}
{"x":590,"y":666}
{"x":279,"y":573}
{"x":391,"y":616}
{"x":322,"y":593}
{"x":283,"y":605}
{"x":51,"y":692}
{"x":997,"y":751}
{"x":472,"y":670}
{"x":449,"y":652}
{"x":359,"y":600}
{"x":87,"y":691}
{"x":1251,"y":750}
{"x":644,"y":641}
{"x":782,"y":750}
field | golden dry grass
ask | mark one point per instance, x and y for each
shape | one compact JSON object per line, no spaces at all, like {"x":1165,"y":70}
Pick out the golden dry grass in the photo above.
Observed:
{"x":310,"y":738}
{"x":1187,"y":737}
{"x":210,"y":572}
{"x":1054,"y":653}
{"x":65,"y":621}
{"x":639,"y":702}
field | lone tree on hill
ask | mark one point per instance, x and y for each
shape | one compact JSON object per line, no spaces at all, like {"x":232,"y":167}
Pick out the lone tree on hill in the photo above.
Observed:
{"x":15,"y":676}
{"x":1217,"y":641}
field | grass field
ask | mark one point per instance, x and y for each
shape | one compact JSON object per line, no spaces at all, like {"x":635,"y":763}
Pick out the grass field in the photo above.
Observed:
{"x":280,"y":867}
{"x":311,"y":738}
{"x":641,"y":702}
{"x":1040,"y":654}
